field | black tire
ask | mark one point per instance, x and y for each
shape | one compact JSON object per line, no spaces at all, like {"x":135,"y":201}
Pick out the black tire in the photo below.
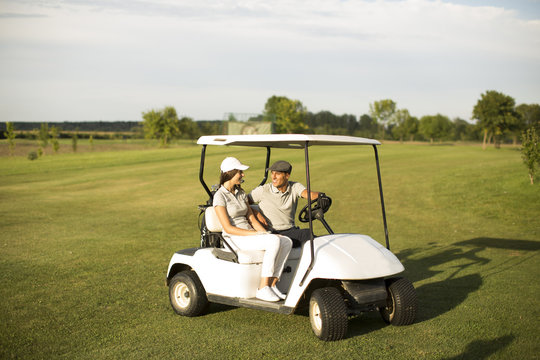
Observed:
{"x":401,"y":303}
{"x":328,"y":314}
{"x":187,"y":294}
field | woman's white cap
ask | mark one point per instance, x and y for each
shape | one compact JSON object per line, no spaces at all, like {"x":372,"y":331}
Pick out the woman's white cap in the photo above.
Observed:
{"x":232,"y":163}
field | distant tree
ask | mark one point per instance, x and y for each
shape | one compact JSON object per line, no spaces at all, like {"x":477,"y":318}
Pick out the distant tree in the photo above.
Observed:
{"x":382,"y":112}
{"x":289,"y":115}
{"x":530,"y":151}
{"x":10,"y":135}
{"x":367,"y":127}
{"x":496,"y":114}
{"x":161,"y":124}
{"x":188,"y":128}
{"x":530,"y":115}
{"x":400,"y":117}
{"x":44,"y":135}
{"x":74,"y":140}
{"x":54,"y":139}
{"x":410,"y":127}
{"x":435,"y":127}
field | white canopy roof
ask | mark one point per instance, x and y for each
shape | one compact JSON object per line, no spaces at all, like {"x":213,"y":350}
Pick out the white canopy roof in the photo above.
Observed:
{"x":296,"y":141}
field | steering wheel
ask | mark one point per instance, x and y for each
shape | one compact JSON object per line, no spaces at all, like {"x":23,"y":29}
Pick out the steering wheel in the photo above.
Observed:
{"x":317,"y":212}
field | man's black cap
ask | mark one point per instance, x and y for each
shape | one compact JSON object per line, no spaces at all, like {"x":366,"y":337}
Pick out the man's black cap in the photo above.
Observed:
{"x":281,"y":166}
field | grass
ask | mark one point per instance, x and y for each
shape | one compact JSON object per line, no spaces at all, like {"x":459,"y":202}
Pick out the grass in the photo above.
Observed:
{"x":86,"y":239}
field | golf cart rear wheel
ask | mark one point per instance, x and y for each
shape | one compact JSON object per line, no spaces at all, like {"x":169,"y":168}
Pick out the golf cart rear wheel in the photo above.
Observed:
{"x":401,"y":303}
{"x":328,"y":314}
{"x":187,"y":294}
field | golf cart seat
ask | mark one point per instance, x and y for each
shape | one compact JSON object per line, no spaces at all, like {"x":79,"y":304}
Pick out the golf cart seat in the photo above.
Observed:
{"x":244,"y":256}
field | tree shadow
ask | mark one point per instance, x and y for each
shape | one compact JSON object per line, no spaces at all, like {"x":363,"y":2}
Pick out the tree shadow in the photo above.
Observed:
{"x":508,"y":244}
{"x":439,"y":297}
{"x":482,"y":349}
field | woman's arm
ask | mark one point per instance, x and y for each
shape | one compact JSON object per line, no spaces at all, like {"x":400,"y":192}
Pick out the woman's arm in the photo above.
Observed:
{"x":223,"y":217}
{"x":253,"y":220}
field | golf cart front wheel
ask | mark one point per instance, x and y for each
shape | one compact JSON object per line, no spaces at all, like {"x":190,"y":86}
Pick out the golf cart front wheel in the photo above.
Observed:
{"x":401,"y":303}
{"x":328,"y":314}
{"x":187,"y":294}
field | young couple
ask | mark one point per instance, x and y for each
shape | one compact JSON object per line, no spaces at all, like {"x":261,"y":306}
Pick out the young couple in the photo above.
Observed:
{"x":271,"y":230}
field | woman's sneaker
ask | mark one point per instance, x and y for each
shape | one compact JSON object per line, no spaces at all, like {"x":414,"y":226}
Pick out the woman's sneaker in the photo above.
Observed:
{"x":279,"y":294}
{"x":267,"y":294}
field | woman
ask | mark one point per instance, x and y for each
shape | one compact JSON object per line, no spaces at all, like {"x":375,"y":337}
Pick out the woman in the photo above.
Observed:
{"x":241,"y":227}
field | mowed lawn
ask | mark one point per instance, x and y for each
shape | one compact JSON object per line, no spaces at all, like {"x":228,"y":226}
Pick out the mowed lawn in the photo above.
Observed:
{"x":85,"y":240}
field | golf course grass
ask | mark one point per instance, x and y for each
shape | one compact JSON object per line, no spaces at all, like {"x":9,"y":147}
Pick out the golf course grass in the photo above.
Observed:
{"x":85,"y":240}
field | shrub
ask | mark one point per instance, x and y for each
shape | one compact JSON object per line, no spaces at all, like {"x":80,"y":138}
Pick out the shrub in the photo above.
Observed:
{"x":32,"y":155}
{"x":530,"y":151}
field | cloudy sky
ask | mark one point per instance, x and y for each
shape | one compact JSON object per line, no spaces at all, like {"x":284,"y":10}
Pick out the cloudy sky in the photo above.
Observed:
{"x":89,"y":60}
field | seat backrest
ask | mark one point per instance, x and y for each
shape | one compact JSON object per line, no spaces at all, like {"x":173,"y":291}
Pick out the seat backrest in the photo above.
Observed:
{"x":211,"y":220}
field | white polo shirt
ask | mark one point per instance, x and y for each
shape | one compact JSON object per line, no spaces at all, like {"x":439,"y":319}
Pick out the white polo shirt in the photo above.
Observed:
{"x":279,"y":208}
{"x":236,"y":206}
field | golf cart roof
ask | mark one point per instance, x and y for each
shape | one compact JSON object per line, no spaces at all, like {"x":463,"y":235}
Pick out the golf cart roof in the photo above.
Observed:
{"x":291,"y":141}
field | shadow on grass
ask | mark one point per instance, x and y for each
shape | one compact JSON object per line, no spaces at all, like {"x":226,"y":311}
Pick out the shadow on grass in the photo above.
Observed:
{"x":508,"y":244}
{"x":437,"y":298}
{"x":482,"y":349}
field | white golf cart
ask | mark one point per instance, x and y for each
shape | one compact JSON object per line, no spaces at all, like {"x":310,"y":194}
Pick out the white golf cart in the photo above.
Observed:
{"x":335,"y":275}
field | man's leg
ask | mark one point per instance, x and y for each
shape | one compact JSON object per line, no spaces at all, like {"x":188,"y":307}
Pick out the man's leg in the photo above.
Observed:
{"x":297,"y":235}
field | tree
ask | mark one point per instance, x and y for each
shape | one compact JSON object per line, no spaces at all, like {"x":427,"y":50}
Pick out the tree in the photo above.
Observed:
{"x":10,"y":135}
{"x":289,"y":115}
{"x":54,"y":139}
{"x":530,"y":115}
{"x":410,"y":127}
{"x":496,"y":114}
{"x":530,"y":151}
{"x":189,"y":128}
{"x":399,"y":119}
{"x":382,"y":112}
{"x":44,"y":135}
{"x":161,"y":124}
{"x":367,"y":127}
{"x":74,"y":140}
{"x":435,"y":127}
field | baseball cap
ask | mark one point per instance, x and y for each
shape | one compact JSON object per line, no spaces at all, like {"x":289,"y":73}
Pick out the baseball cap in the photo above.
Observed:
{"x":281,"y":166}
{"x":232,"y":163}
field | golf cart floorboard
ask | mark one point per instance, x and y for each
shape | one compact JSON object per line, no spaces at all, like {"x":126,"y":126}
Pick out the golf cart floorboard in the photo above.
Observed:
{"x":252,"y":303}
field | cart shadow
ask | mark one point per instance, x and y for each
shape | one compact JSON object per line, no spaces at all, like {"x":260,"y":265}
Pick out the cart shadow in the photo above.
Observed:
{"x":457,"y":261}
{"x":483,"y":349}
{"x":215,"y":308}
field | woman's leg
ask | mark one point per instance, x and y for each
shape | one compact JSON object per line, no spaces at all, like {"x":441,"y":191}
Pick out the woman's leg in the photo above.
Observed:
{"x":271,"y":244}
{"x":282,"y":255}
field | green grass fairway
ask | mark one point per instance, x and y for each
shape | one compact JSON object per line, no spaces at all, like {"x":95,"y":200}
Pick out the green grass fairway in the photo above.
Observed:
{"x":86,"y":239}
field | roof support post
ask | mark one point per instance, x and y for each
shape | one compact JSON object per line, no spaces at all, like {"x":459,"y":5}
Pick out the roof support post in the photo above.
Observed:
{"x":308,"y":182}
{"x":382,"y":197}
{"x":201,"y":172}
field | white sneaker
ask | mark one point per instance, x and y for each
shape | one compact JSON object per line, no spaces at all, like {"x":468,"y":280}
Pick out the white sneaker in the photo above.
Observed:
{"x":280,"y":295}
{"x":266,"y":294}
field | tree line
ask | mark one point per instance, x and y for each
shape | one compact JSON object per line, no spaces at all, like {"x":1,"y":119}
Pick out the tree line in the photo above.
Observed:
{"x":498,"y":120}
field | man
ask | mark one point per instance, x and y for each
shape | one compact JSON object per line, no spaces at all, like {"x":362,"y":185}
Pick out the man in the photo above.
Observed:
{"x":278,"y":200}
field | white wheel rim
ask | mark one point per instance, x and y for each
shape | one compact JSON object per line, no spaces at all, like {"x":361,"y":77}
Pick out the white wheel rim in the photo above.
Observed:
{"x":316,"y":315}
{"x":181,"y":295}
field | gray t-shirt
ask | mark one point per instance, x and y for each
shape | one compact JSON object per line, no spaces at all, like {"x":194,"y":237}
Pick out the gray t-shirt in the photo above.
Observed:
{"x":278,"y":208}
{"x":236,"y":205}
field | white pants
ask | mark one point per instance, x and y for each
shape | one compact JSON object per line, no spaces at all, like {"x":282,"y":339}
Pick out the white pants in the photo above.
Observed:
{"x":276,"y":250}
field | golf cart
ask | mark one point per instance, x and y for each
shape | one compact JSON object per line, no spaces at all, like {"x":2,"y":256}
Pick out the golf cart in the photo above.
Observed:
{"x":335,"y":275}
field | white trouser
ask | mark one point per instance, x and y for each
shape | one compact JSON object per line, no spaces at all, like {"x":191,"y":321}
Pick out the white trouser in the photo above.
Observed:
{"x":276,"y":250}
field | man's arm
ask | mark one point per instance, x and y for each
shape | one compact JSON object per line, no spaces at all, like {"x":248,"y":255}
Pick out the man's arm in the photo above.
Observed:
{"x":314,"y":194}
{"x":253,"y":198}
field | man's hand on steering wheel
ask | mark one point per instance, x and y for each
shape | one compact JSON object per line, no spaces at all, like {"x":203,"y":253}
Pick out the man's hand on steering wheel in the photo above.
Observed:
{"x":324,"y":201}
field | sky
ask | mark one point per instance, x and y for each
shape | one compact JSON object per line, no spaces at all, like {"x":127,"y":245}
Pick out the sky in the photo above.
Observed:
{"x":112,"y":60}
